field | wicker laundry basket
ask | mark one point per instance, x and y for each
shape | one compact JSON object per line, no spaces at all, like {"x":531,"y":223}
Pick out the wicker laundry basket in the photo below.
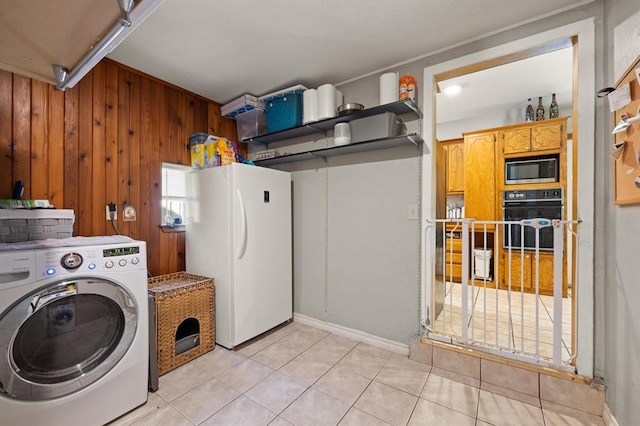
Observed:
{"x":178,"y":298}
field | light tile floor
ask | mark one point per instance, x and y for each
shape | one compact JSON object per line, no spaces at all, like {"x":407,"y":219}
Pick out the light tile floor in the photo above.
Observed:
{"x":299,"y":375}
{"x":490,"y":318}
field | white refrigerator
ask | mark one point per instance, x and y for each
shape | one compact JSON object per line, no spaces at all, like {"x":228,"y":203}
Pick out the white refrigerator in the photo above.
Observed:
{"x":238,"y":232}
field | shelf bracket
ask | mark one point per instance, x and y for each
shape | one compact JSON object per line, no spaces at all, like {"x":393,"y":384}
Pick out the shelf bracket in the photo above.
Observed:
{"x":412,"y":139}
{"x":412,"y":106}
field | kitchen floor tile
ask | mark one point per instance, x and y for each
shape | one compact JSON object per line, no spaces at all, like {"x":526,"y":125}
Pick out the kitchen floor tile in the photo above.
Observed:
{"x":165,"y":416}
{"x":218,"y":361}
{"x":153,"y":403}
{"x":337,"y":342}
{"x":580,"y":396}
{"x":452,"y":375}
{"x":306,"y":368}
{"x":499,"y":410}
{"x":506,"y":376}
{"x":429,"y":413}
{"x":326,"y":353}
{"x":386,"y":403}
{"x":241,"y":412}
{"x":559,"y":415}
{"x":303,"y":339}
{"x":421,"y":353}
{"x":466,"y":365}
{"x":181,"y":380}
{"x":286,"y":330}
{"x":258,"y":343}
{"x":275,"y":356}
{"x":252,"y":347}
{"x":315,"y":408}
{"x":277,"y":391}
{"x":342,"y":385}
{"x":337,"y":380}
{"x":332,"y":348}
{"x":451,"y":394}
{"x":522,"y":397}
{"x":374,"y":351}
{"x":356,"y":417}
{"x":403,"y":360}
{"x":205,"y":400}
{"x":245,"y":375}
{"x":279,"y":421}
{"x":364,"y":361}
{"x":403,"y":378}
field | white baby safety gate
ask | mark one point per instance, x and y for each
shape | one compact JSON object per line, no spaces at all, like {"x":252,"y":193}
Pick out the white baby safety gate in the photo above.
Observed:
{"x":503,"y":319}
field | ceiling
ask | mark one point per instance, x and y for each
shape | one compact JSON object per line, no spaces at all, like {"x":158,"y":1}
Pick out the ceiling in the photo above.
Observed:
{"x":508,"y":87}
{"x":35,"y":34}
{"x":224,"y":48}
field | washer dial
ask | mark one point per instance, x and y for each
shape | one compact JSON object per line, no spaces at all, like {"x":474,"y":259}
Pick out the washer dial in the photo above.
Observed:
{"x":71,"y":261}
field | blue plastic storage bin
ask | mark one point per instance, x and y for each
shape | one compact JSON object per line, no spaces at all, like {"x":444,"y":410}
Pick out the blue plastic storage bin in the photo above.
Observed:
{"x":284,"y":111}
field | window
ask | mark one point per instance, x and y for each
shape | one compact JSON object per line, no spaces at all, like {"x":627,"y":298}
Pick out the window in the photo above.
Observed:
{"x":173,"y":193}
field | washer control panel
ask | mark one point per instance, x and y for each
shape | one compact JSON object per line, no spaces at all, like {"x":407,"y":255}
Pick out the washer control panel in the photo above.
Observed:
{"x":64,"y":261}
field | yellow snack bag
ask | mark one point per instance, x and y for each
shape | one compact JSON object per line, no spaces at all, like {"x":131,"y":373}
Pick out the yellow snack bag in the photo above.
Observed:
{"x":226,"y":154}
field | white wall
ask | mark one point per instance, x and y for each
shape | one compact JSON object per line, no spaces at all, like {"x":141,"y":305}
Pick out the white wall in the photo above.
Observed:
{"x":454,"y":129}
{"x":619,"y":341}
{"x":356,"y":253}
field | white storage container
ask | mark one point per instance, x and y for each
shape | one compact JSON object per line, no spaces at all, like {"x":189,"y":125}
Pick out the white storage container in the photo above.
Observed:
{"x":243,"y":104}
{"x":482,"y":260}
{"x":251,"y":123}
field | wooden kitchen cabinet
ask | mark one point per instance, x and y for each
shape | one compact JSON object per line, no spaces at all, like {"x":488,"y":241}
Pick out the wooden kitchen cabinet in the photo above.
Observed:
{"x":523,"y":272}
{"x":455,"y":167}
{"x":453,"y":259}
{"x":539,"y":136}
{"x":519,"y":270}
{"x":479,"y":176}
{"x":545,"y":137}
{"x":516,"y":140}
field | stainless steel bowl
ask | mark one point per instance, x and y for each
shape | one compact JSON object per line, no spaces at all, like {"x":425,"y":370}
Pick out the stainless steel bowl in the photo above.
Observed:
{"x":347,"y":109}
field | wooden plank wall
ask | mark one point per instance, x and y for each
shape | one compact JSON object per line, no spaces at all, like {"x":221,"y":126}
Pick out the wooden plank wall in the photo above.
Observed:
{"x":103,"y":141}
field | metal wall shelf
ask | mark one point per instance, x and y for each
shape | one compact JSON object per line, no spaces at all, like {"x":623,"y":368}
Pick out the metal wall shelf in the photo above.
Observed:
{"x":372,"y":145}
{"x":399,"y":107}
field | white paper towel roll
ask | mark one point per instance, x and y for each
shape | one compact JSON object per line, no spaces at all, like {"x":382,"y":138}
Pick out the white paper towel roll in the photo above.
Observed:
{"x":326,"y":101}
{"x":309,"y":106}
{"x":388,"y":88}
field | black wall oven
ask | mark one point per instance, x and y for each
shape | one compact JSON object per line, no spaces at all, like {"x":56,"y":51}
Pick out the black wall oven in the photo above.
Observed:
{"x":518,"y":205}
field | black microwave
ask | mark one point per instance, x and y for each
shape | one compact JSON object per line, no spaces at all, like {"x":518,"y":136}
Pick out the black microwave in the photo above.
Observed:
{"x":528,"y":170}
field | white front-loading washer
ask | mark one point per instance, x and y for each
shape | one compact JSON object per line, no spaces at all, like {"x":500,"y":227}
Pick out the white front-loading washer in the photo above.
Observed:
{"x":73,"y":334}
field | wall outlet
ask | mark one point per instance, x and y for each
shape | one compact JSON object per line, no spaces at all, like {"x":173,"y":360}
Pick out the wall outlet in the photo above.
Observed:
{"x":413,"y":213}
{"x":115,"y":213}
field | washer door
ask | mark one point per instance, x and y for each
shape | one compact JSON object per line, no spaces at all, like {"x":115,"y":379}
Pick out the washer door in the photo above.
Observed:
{"x":63,"y":337}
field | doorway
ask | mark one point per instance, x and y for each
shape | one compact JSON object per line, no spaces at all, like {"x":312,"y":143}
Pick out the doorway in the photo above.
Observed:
{"x":578,"y":38}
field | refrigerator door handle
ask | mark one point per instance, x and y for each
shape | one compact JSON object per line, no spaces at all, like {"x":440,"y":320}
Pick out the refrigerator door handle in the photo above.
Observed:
{"x":243,"y":226}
